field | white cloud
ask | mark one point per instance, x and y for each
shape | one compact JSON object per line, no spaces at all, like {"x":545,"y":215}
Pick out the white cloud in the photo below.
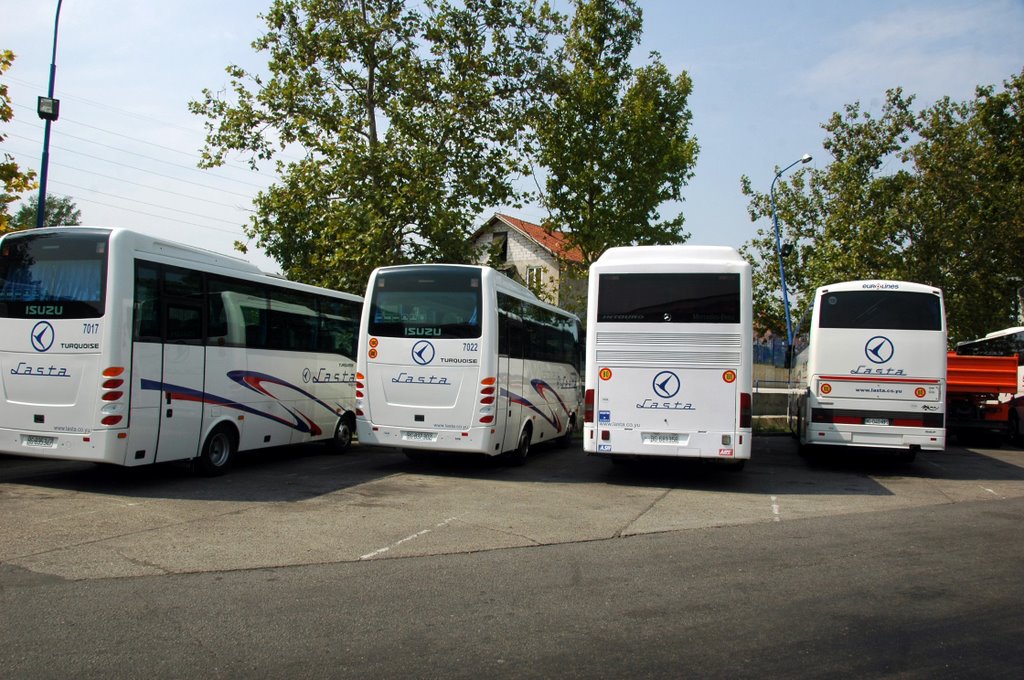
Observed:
{"x":929,"y":51}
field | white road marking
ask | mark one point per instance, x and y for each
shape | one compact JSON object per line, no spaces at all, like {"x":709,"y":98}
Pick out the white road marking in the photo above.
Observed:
{"x":775,"y":509}
{"x":422,"y":532}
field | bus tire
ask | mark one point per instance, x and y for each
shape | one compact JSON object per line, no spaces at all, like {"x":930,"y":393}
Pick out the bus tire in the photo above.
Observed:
{"x":906,"y":456}
{"x":417,"y":455}
{"x":736,"y":466}
{"x":218,"y":452}
{"x":803,"y":449}
{"x":566,"y":439}
{"x":1014,"y":434}
{"x":517,"y":456}
{"x":342,"y":440}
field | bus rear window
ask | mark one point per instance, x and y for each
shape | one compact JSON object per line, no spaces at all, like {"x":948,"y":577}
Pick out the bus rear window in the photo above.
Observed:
{"x":880,"y":310}
{"x":53,"y":275}
{"x":668,"y":298}
{"x":426,"y":302}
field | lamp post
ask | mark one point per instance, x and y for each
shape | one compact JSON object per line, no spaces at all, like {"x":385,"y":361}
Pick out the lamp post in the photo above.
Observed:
{"x":48,"y":109}
{"x":806,"y":158}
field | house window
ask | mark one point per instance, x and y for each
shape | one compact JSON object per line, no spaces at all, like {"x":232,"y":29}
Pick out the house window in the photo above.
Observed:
{"x":499,"y":246}
{"x":534,"y":278}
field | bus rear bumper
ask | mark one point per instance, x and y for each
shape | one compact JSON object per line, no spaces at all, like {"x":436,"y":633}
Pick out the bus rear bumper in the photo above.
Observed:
{"x":473,"y":440}
{"x":94,"y":447}
{"x":710,"y":445}
{"x":877,"y":438}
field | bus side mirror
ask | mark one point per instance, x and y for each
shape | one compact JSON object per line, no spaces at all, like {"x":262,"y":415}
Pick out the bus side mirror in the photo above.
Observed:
{"x":788,"y":362}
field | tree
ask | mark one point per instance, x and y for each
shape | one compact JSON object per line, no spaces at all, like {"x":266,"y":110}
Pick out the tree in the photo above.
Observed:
{"x":409,"y":120}
{"x":967,"y":206}
{"x":60,"y":211}
{"x":14,"y":180}
{"x":935,"y":197}
{"x":614,"y":140}
{"x":839,"y":220}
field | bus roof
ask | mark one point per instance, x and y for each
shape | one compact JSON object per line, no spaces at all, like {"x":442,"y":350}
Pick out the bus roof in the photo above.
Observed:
{"x":659,"y":255}
{"x":879,"y":284}
{"x":502,"y":282}
{"x":214,"y":261}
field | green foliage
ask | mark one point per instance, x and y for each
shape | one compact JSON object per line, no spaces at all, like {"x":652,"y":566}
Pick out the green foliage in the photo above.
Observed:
{"x":409,"y":119}
{"x":60,"y":211}
{"x":935,"y":197}
{"x":14,"y":180}
{"x":615,"y":140}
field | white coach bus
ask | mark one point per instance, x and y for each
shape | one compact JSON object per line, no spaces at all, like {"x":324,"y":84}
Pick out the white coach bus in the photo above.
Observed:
{"x":461,"y":358}
{"x":126,"y":349}
{"x":870,"y":368}
{"x":669,"y":354}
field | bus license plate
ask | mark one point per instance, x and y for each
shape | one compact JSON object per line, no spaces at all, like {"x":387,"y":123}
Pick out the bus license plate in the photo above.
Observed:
{"x":876,"y":421}
{"x":419,"y":436}
{"x":660,"y":438}
{"x":42,"y":442}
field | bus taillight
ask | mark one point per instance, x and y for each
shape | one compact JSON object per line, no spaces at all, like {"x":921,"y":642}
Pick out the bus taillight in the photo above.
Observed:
{"x":486,"y":412}
{"x":588,"y":406}
{"x":112,"y":396}
{"x":746,"y":412}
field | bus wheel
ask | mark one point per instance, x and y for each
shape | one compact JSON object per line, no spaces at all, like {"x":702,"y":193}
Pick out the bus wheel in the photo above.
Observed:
{"x":1015,"y":435}
{"x":566,"y":439}
{"x":416,"y":455}
{"x":342,"y":435}
{"x":218,"y":453}
{"x":906,"y":456}
{"x":736,"y":466}
{"x":517,"y":456}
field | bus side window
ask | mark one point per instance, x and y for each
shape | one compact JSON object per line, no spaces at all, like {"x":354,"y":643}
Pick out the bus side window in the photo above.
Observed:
{"x":146,"y":321}
{"x":338,"y":326}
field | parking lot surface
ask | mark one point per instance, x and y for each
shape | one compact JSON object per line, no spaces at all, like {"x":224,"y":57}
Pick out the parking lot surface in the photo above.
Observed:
{"x":303,"y":506}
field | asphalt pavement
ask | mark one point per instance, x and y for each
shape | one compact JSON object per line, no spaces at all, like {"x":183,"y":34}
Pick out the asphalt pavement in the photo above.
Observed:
{"x":303,"y":564}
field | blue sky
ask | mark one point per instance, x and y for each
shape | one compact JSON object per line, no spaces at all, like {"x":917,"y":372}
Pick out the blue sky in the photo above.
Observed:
{"x":766,"y":76}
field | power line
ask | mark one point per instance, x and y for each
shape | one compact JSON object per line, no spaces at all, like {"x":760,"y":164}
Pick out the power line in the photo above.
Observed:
{"x":148,"y":158}
{"x":248,"y":197}
{"x":152,"y":205}
{"x":79,"y":199}
{"x":131,"y":114}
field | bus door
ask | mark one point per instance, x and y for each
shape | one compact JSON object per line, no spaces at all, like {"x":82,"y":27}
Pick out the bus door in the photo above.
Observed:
{"x":510,"y":380}
{"x":184,"y":366}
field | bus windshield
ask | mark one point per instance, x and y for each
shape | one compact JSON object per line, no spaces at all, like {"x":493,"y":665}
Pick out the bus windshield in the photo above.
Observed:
{"x":668,"y":298}
{"x":426,"y":302}
{"x":53,"y":275}
{"x":881,"y":310}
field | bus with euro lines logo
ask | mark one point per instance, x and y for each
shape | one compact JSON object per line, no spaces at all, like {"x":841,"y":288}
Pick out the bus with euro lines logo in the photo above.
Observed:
{"x":669,"y":354}
{"x":126,"y":349}
{"x":461,"y":358}
{"x":869,"y":369}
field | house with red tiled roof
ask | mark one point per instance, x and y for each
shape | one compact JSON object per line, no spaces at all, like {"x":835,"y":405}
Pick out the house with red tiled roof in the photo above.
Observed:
{"x":535,"y":257}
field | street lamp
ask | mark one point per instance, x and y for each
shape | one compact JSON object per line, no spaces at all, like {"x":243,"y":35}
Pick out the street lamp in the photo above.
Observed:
{"x":48,"y":109}
{"x":806,"y":158}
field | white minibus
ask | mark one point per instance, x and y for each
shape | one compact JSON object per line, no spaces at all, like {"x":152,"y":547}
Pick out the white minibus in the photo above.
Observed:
{"x":127,"y":349}
{"x":461,"y":358}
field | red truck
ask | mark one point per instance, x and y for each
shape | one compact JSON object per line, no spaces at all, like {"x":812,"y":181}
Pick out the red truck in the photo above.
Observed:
{"x":978,"y":408}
